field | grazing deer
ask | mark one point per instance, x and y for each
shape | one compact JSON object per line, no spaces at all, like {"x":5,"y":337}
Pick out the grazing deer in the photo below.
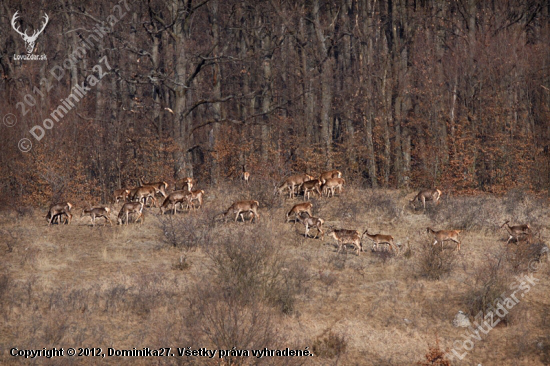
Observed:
{"x":160,"y":187}
{"x":294,"y":182}
{"x":299,"y":208}
{"x":516,"y":231}
{"x":445,"y":235}
{"x":380,"y":239}
{"x":97,"y":212}
{"x":344,"y":236}
{"x":311,"y":186}
{"x":330,"y":174}
{"x":186,"y":184}
{"x":331,"y":184}
{"x":127,"y":209}
{"x":143,"y":193}
{"x":194,"y":196}
{"x":173,"y":199}
{"x":427,"y":195}
{"x":58,"y":210}
{"x":244,"y":206}
{"x":309,"y":222}
{"x":121,"y":194}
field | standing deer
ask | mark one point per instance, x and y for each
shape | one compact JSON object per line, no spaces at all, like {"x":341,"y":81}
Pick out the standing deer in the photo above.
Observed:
{"x":311,"y":186}
{"x":121,"y":194}
{"x":344,"y":236}
{"x":427,"y":195}
{"x":186,"y":184}
{"x":330,"y":174}
{"x":194,"y":196}
{"x":246,"y":175}
{"x":299,"y":208}
{"x":160,"y":187}
{"x":380,"y":239}
{"x":309,"y":221}
{"x":331,"y":184}
{"x":173,"y":199}
{"x":293,"y":182}
{"x":143,"y":193}
{"x":59,"y":210}
{"x":97,"y":212}
{"x":127,"y":209}
{"x":240,"y":207}
{"x":445,"y":235}
{"x":516,"y":231}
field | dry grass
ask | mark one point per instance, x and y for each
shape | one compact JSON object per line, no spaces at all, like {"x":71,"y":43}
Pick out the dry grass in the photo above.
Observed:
{"x":194,"y":281}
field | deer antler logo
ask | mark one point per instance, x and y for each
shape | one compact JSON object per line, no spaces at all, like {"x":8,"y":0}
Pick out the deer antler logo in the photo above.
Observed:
{"x":29,"y":40}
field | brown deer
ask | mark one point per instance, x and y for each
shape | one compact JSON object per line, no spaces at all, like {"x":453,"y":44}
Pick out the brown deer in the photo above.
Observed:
{"x":143,"y":193}
{"x":173,"y":199}
{"x":330,"y":174}
{"x":427,"y":195}
{"x":445,"y":235}
{"x":293,"y":182}
{"x":309,"y":221}
{"x":380,"y":239}
{"x":331,"y":184}
{"x":239,"y":207}
{"x":196,"y":195}
{"x":186,"y":184}
{"x":127,"y":209}
{"x":121,"y":194}
{"x":160,"y":187}
{"x":59,"y":209}
{"x":311,"y":186}
{"x":299,"y":208}
{"x":516,"y":231}
{"x":97,"y":212}
{"x":344,"y":236}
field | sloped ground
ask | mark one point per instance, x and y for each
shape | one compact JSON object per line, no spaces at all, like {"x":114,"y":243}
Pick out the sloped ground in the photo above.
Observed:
{"x":222,"y":284}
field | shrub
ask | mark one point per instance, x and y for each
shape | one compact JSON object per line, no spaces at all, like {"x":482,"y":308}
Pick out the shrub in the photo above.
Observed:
{"x":329,"y":344}
{"x":434,"y":262}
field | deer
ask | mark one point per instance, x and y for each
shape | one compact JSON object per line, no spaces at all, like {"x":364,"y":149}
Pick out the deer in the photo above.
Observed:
{"x":427,"y":195}
{"x":309,"y":221}
{"x":127,"y":209}
{"x":160,"y":187}
{"x":173,"y":199}
{"x":97,"y":212}
{"x":29,"y":40}
{"x":244,"y":206}
{"x":293,"y":182}
{"x":330,"y":174}
{"x":245,"y":176}
{"x":379,"y":239}
{"x":445,"y":235}
{"x":186,"y":183}
{"x":331,"y":184}
{"x":58,"y":210}
{"x":194,"y":196}
{"x":313,"y":185}
{"x":299,"y":208}
{"x":121,"y":194}
{"x":344,"y":236}
{"x":516,"y":231}
{"x":143,"y":193}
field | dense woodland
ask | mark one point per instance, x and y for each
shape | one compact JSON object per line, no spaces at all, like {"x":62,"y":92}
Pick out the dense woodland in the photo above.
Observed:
{"x":394,"y":93}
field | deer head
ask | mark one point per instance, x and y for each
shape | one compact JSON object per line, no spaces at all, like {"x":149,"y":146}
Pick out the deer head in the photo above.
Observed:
{"x":29,"y":40}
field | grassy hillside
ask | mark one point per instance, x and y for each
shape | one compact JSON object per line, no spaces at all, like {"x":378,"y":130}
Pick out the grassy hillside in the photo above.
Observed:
{"x":195,"y":281}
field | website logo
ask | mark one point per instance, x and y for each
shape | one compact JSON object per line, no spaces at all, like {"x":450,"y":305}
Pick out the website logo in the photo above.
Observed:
{"x":29,"y":40}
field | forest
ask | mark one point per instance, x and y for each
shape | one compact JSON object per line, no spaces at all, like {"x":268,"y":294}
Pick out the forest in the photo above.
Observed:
{"x":394,"y":93}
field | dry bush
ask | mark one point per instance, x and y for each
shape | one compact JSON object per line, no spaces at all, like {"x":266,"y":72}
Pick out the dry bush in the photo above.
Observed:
{"x":490,"y":283}
{"x":185,"y":231}
{"x":382,"y":204}
{"x":522,"y":255}
{"x":466,"y":213}
{"x":433,"y":262}
{"x":329,"y":345}
{"x":435,"y":356}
